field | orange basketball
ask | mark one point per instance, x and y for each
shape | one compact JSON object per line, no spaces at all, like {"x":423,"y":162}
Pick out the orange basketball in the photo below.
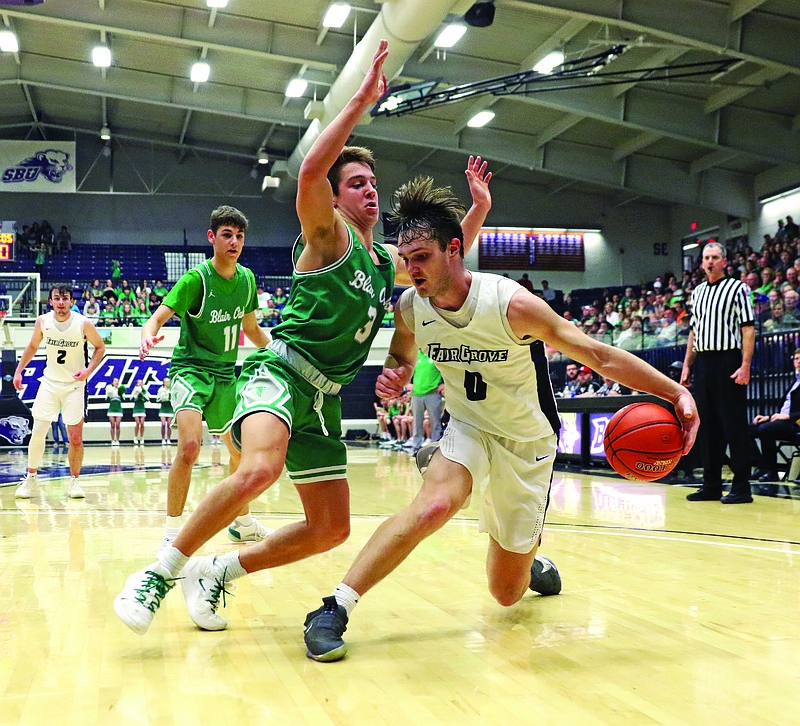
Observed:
{"x":643,"y":441}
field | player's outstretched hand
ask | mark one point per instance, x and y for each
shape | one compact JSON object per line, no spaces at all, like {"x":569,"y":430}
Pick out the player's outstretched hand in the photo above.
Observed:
{"x":686,"y":410}
{"x":391,"y":382}
{"x":478,"y":180}
{"x":147,"y":343}
{"x":374,"y":84}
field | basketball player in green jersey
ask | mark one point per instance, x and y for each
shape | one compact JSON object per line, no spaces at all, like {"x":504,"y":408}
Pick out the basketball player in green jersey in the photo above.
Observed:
{"x":214,"y":300}
{"x":288,"y":410}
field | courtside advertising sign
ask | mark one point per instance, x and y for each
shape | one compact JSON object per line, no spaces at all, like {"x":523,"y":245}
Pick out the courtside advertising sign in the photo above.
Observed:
{"x":37,"y":166}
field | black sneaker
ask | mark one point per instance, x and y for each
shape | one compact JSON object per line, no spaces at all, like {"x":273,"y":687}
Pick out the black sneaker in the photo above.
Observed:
{"x":544,"y":576}
{"x":324,"y":629}
{"x":703,"y":495}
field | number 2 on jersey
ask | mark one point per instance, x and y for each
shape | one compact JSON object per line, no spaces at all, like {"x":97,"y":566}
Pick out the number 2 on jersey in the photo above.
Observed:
{"x":61,"y":358}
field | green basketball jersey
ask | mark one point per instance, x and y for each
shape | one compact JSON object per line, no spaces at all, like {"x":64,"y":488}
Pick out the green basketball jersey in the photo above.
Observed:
{"x":333,"y":314}
{"x":211,"y":309}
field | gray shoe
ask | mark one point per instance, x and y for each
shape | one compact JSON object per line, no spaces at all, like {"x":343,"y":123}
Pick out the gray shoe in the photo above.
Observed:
{"x":324,"y":628}
{"x":544,"y":576}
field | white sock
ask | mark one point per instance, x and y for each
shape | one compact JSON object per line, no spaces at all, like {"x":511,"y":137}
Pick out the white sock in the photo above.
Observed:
{"x":230,"y":565}
{"x":172,"y":559}
{"x":245,"y":519}
{"x":172,"y":525}
{"x":346,"y":596}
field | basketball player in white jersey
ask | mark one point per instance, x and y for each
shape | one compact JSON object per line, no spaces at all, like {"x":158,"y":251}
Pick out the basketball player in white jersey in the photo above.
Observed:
{"x":486,"y":335}
{"x":61,"y":389}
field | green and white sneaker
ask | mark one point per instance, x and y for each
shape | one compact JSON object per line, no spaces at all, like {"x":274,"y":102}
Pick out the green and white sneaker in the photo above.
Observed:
{"x":136,"y":605}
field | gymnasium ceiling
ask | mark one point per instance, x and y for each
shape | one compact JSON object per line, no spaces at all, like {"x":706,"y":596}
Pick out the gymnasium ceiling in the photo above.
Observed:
{"x":718,"y":141}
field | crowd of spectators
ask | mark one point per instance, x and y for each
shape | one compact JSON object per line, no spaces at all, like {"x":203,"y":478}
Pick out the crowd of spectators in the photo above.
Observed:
{"x":119,"y":304}
{"x":41,"y":238}
{"x":657,"y":314}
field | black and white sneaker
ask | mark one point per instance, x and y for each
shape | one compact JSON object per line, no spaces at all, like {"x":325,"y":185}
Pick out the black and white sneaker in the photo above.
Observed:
{"x":544,"y":576}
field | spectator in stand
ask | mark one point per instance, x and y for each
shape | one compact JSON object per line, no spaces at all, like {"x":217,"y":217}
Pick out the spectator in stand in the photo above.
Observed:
{"x":263,"y":297}
{"x":96,"y":289}
{"x":143,"y":289}
{"x":548,"y":294}
{"x":753,"y":282}
{"x":611,"y":315}
{"x":791,"y":299}
{"x":780,"y":235}
{"x":571,"y":381}
{"x":792,"y":230}
{"x":63,"y":240}
{"x":525,"y":282}
{"x":761,"y":311}
{"x":791,"y":277}
{"x":108,"y":315}
{"x":125,"y":293}
{"x":47,"y":237}
{"x":781,"y":426}
{"x":766,"y":281}
{"x":141,"y":314}
{"x":785,"y":261}
{"x":109,"y":290}
{"x":612,"y":388}
{"x":116,"y":270}
{"x":634,"y":340}
{"x":127,"y":319}
{"x":279,"y":298}
{"x":91,"y":312}
{"x":668,"y":334}
{"x":159,"y":290}
{"x":587,"y":386}
{"x":779,"y":319}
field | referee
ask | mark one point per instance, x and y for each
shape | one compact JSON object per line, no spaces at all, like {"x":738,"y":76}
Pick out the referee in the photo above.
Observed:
{"x":721,"y":345}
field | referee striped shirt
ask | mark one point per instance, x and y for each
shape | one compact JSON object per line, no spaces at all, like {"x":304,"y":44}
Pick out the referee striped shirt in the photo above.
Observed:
{"x":719,"y":311}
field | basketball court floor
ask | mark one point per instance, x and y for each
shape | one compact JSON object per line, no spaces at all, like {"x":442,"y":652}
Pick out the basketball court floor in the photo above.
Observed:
{"x":671,"y":612}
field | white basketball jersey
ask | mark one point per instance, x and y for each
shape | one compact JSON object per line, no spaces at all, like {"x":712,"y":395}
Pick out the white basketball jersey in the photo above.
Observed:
{"x":493,"y":380}
{"x":65,"y":345}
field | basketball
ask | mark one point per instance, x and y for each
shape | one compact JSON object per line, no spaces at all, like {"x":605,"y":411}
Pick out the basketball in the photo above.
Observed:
{"x":643,"y":441}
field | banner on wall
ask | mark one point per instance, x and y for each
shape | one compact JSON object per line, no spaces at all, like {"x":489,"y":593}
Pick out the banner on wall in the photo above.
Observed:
{"x":37,"y":166}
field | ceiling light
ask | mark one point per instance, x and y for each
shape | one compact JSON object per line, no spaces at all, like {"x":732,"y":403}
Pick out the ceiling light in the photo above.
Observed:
{"x":101,"y":56}
{"x":450,"y":36}
{"x":549,"y":62}
{"x":8,"y":42}
{"x":480,"y":119}
{"x":296,"y":88}
{"x":105,"y":133}
{"x":262,"y":157}
{"x":217,"y":3}
{"x":270,"y":181}
{"x":336,"y":15}
{"x":200,"y":72}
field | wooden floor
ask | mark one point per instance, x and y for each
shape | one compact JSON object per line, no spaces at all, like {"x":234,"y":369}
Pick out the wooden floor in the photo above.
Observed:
{"x":672,"y":612}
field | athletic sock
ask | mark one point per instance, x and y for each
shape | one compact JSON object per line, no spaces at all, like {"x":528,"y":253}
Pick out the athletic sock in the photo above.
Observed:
{"x":230,"y":565}
{"x":172,"y":559}
{"x":245,"y":519}
{"x":346,"y":596}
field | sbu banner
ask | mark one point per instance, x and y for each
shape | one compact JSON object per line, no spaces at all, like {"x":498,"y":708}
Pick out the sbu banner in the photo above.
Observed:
{"x":37,"y":166}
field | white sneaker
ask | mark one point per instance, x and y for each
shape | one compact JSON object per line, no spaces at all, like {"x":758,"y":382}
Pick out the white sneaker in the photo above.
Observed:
{"x":74,"y":490}
{"x":202,"y":586}
{"x":254,"y":532}
{"x":29,"y":487}
{"x":136,"y":605}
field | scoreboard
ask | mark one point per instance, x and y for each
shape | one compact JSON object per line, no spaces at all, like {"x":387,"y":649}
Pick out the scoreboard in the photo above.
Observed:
{"x":7,"y":240}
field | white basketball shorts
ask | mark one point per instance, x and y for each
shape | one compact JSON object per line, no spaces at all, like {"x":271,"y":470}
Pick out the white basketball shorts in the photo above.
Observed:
{"x":55,"y":397}
{"x":511,"y":477}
